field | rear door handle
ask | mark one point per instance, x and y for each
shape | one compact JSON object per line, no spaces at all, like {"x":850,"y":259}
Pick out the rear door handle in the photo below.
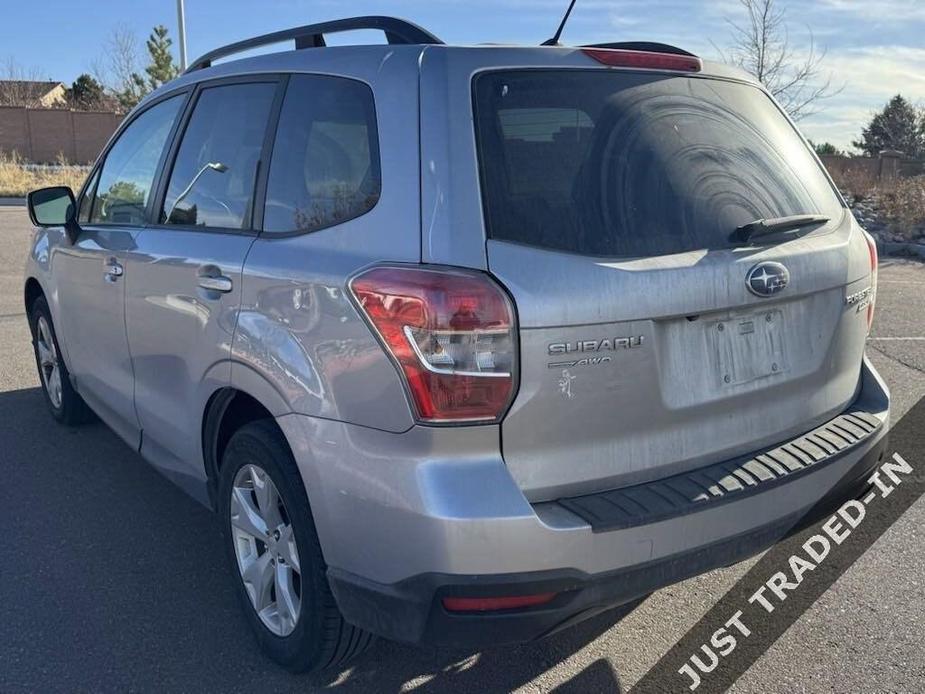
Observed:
{"x":216,"y":284}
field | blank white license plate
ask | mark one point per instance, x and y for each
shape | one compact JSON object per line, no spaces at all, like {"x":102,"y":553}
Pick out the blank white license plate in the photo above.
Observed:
{"x":750,"y":347}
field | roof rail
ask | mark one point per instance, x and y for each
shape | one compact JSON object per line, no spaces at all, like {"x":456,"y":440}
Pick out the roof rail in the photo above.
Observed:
{"x":645,"y":46}
{"x":397,"y":31}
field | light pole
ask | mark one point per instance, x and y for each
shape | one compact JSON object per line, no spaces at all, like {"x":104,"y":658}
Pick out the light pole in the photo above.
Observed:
{"x":181,"y":31}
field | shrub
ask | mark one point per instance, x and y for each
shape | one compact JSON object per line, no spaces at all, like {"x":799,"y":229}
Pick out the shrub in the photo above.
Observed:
{"x":902,"y":203}
{"x":899,"y":203}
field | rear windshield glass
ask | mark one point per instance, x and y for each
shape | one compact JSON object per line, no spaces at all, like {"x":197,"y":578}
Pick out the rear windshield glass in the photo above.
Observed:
{"x":620,"y":164}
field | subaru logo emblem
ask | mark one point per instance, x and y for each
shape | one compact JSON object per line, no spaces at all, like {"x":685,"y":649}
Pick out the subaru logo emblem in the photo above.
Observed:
{"x":767,"y":279}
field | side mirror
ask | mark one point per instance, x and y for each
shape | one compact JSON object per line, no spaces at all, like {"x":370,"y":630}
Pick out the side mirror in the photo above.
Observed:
{"x":54,"y":207}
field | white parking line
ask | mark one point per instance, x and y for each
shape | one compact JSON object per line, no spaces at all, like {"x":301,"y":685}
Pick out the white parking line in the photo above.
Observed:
{"x":913,"y":339}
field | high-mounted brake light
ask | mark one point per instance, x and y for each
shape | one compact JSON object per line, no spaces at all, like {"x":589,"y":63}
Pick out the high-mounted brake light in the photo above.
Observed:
{"x":645,"y":59}
{"x":451,"y":333}
{"x":874,"y":262}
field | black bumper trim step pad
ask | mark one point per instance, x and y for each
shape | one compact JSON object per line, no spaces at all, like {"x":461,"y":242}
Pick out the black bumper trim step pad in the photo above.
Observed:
{"x":727,"y":481}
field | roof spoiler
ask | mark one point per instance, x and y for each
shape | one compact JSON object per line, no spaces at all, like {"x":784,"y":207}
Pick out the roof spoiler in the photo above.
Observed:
{"x":645,"y":46}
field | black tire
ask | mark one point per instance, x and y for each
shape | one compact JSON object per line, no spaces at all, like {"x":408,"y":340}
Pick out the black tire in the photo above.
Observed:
{"x":321,"y":638}
{"x":72,"y":409}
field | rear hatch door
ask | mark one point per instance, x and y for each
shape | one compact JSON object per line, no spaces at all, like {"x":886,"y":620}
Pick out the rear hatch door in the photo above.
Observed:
{"x":653,"y":339}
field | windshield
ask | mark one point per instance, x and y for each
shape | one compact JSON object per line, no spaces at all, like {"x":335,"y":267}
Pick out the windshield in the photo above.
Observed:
{"x":630,"y":164}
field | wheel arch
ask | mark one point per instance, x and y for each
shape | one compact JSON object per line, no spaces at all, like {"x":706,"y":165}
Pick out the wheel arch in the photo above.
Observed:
{"x":32,"y":291}
{"x":227,"y":410}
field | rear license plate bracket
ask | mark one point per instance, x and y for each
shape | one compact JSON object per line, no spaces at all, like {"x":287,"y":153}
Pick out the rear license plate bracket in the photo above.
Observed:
{"x":750,"y":347}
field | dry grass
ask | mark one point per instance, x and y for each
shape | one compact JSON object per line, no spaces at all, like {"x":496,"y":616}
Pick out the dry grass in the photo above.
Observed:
{"x":856,"y":184}
{"x":899,"y":202}
{"x":903,"y":204}
{"x":16,"y":180}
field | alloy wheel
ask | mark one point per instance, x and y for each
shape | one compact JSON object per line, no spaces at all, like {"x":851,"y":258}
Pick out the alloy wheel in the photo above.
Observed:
{"x":49,"y":366}
{"x":266,"y":550}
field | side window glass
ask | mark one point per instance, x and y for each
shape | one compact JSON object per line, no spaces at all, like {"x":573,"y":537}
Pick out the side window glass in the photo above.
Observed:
{"x":86,"y":200}
{"x":212,"y":182}
{"x":325,"y":165}
{"x":128,"y":172}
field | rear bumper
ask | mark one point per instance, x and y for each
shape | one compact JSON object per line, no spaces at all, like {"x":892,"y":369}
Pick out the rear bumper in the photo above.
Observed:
{"x":431,"y":526}
{"x":412,"y":611}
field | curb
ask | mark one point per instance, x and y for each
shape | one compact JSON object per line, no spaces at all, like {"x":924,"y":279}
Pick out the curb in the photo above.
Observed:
{"x":12,"y":202}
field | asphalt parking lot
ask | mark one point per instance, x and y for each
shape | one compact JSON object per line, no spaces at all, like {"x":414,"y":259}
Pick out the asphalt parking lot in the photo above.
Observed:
{"x":111,"y":579}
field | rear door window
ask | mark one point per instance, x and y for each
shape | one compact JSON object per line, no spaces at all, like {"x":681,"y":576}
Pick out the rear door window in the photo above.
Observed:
{"x":617,"y":164}
{"x":215,"y":170}
{"x":325,"y":164}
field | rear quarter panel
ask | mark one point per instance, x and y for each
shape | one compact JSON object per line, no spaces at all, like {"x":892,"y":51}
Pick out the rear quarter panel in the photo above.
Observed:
{"x":301,"y":345}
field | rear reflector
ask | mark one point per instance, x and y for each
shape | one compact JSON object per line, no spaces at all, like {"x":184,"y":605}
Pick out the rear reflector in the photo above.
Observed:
{"x":645,"y":59}
{"x":512,"y":602}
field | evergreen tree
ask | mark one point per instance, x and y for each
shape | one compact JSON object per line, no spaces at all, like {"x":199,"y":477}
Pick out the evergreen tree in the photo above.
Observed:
{"x":899,"y":126}
{"x":85,"y":93}
{"x":133,"y":92}
{"x":826,"y":149}
{"x":160,"y":70}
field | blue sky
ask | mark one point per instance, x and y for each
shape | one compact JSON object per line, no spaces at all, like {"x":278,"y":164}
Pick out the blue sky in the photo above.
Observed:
{"x":875,"y":47}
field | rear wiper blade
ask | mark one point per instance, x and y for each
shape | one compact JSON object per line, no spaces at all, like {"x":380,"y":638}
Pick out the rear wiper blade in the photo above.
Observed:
{"x":765,"y":227}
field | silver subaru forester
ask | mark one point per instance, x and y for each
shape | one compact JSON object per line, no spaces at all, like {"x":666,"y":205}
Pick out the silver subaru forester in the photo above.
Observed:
{"x":464,"y":344}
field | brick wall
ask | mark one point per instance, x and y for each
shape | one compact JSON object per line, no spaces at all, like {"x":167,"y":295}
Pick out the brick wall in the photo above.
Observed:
{"x":41,"y":135}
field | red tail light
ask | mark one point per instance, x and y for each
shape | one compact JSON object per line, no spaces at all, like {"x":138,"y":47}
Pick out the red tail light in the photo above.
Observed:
{"x":874,"y":262}
{"x":645,"y":59}
{"x":452,"y":334}
{"x":511,"y":602}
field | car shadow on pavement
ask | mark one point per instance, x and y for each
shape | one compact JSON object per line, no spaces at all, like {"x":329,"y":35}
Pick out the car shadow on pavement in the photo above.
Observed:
{"x":114,"y":579}
{"x":388,"y":666}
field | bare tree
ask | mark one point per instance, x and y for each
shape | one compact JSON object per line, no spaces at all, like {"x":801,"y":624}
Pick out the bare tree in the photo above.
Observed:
{"x":99,"y":70}
{"x":122,"y":61}
{"x":14,"y":84}
{"x":761,"y":46}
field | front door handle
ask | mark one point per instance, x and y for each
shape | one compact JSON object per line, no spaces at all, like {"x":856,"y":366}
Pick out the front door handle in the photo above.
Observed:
{"x":114,"y":270}
{"x":216,"y":284}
